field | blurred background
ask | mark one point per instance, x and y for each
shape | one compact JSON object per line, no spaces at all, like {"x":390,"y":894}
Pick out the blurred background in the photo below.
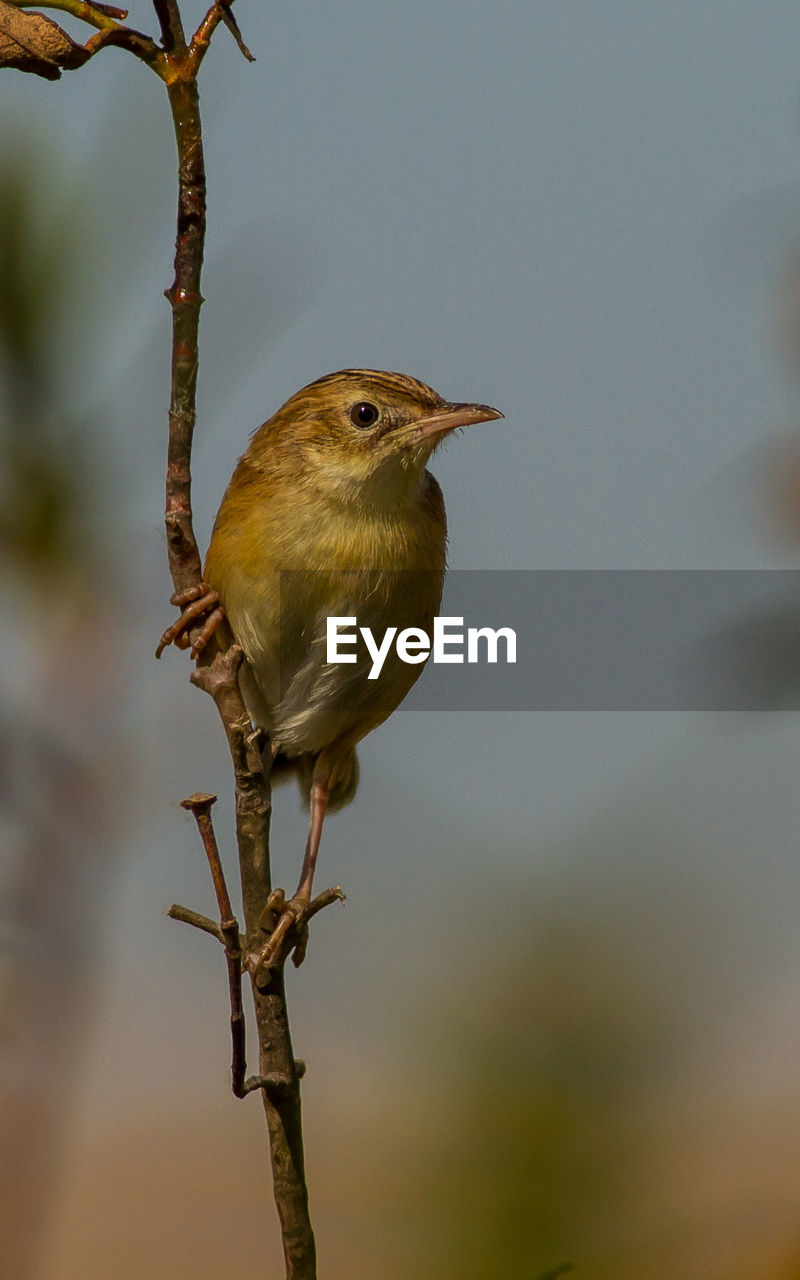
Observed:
{"x":559,"y":1018}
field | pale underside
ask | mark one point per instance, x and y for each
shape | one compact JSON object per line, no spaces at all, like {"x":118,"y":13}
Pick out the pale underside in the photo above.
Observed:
{"x":305,"y":702}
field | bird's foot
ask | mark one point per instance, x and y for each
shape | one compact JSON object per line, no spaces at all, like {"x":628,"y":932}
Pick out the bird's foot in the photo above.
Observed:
{"x":287,"y":925}
{"x":194,"y":603}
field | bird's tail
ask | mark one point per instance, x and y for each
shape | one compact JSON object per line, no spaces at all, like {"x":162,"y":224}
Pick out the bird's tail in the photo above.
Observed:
{"x":302,"y":768}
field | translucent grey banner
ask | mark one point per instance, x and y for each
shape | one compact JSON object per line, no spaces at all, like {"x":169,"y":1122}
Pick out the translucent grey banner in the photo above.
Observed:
{"x":597,"y":640}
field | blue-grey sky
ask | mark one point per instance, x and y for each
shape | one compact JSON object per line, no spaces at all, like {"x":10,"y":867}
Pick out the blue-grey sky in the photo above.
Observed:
{"x":583,"y":213}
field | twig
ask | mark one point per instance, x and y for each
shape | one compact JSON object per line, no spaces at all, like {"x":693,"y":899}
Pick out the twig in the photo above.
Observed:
{"x":228,"y":935}
{"x":111,"y":10}
{"x":97,"y":15}
{"x":169,"y":20}
{"x":194,"y":918}
{"x":277,"y":1066}
{"x":220,"y":11}
{"x":200,"y":805}
{"x":110,"y":32}
{"x":233,"y":27}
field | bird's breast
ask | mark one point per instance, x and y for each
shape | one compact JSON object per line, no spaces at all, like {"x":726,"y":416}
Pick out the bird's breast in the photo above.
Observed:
{"x":283,"y":569}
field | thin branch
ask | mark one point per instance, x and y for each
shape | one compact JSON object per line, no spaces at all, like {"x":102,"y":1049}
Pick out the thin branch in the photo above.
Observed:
{"x":126,"y":38}
{"x":202,"y":36}
{"x":97,"y":15}
{"x":233,"y":27}
{"x":110,"y":32}
{"x":186,"y":300}
{"x":194,"y":918}
{"x":240,"y":1082}
{"x":220,"y":11}
{"x":217,"y":674}
{"x":228,"y":933}
{"x":277,"y":1066}
{"x":111,"y":10}
{"x":169,"y":20}
{"x":200,"y":805}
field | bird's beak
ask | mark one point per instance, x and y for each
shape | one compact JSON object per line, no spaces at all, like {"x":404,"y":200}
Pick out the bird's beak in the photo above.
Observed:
{"x":456,"y":415}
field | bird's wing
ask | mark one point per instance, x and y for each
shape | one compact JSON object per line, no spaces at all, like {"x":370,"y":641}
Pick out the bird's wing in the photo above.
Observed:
{"x":320,"y":701}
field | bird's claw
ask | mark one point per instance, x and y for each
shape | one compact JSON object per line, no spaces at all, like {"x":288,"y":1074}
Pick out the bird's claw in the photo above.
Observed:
{"x":287,"y":924}
{"x":194,"y":603}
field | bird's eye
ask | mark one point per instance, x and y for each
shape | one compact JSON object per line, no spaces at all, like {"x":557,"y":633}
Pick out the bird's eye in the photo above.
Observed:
{"x":364,"y":414}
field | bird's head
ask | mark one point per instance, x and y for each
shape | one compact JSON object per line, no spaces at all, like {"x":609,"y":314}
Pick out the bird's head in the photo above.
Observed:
{"x":360,"y":432}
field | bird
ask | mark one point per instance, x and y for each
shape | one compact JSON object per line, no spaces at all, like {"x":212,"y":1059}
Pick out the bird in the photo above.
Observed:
{"x":330,"y":513}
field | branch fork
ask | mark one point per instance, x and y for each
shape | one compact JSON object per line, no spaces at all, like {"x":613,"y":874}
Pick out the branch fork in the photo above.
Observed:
{"x":37,"y":44}
{"x":226,"y":932}
{"x":275,"y":1083}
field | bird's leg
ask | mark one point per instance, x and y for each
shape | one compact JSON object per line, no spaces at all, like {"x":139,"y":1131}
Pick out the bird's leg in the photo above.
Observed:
{"x":292,"y":915}
{"x":319,"y":804}
{"x":194,"y":602}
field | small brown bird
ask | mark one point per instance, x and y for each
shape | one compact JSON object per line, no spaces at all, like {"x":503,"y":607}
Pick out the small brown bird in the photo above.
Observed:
{"x":330,"y":514}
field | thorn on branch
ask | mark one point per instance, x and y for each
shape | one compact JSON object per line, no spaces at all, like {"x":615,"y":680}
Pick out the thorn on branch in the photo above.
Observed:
{"x":233,"y":27}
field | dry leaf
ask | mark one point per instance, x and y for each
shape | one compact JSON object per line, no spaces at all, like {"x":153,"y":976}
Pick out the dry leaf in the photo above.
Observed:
{"x":32,"y":42}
